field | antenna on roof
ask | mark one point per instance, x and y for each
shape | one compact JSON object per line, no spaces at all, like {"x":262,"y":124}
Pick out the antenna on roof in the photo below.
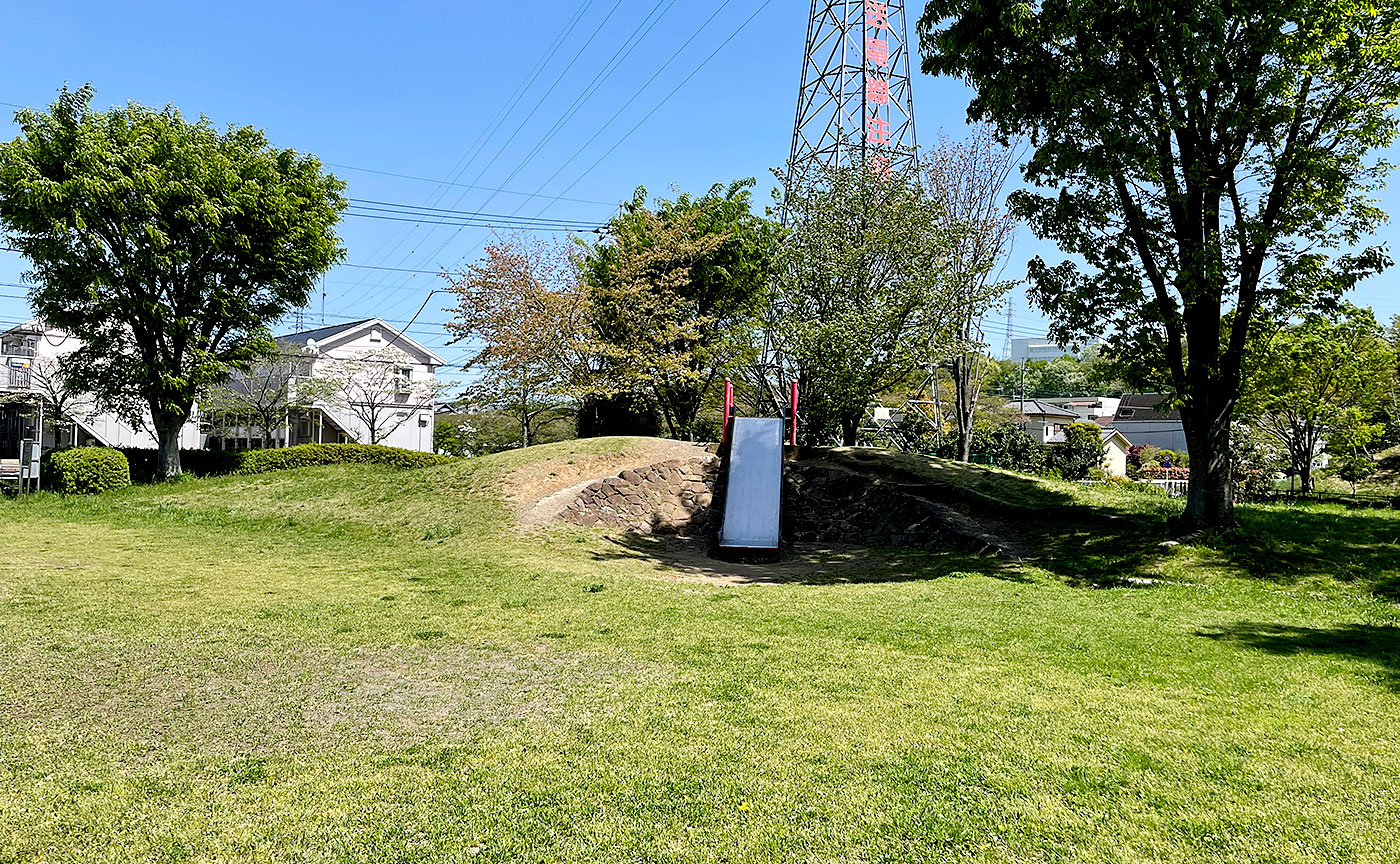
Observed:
{"x":323,"y":299}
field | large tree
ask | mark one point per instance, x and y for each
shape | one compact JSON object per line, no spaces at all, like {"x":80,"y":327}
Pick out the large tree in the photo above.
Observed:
{"x":1208,"y":160}
{"x":1321,"y":381}
{"x":168,"y":247}
{"x":675,"y":291}
{"x":864,"y":295}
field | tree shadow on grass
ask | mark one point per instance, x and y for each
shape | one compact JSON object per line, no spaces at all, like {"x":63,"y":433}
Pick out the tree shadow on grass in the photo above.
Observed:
{"x":1286,"y":544}
{"x":1378,"y":645}
{"x":804,"y":563}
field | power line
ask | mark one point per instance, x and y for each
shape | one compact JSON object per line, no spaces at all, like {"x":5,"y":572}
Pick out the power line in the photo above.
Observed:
{"x":476,"y":146}
{"x":467,"y":185}
{"x":635,"y":96}
{"x":510,"y":226}
{"x":558,"y":79}
{"x":642,"y":30}
{"x":658,"y":107}
{"x":392,"y":206}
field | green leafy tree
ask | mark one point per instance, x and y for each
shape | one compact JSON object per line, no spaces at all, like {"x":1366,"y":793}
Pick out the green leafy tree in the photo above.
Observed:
{"x":1353,"y":466}
{"x":676,"y":291}
{"x":1207,"y":161}
{"x":169,"y":248}
{"x":1321,"y":379}
{"x":1081,"y":452}
{"x":864,"y":295}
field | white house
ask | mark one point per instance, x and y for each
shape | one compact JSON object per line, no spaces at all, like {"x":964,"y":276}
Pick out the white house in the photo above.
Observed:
{"x":383,"y":386}
{"x":387,"y":380}
{"x":1041,"y":420}
{"x":30,"y":354}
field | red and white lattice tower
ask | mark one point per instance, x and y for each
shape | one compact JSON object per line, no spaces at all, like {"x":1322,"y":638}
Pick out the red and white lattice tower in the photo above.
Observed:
{"x":856,"y":105}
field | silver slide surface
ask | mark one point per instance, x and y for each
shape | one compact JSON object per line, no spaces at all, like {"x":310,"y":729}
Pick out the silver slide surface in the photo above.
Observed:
{"x":753,"y":499}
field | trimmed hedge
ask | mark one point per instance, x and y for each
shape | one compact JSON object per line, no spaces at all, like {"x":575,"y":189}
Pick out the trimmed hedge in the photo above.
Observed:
{"x":219,"y":463}
{"x":200,"y":463}
{"x":86,"y":470}
{"x":307,"y":455}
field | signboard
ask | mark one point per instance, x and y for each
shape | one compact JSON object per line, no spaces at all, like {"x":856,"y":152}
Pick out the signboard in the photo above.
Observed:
{"x":877,"y":86}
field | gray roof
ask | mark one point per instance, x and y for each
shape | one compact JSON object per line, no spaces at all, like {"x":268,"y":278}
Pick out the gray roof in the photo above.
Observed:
{"x":1037,"y":408}
{"x":1145,"y":406}
{"x":322,"y":332}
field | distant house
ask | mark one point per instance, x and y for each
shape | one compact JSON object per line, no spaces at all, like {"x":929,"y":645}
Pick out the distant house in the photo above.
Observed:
{"x":1115,"y":450}
{"x":403,"y":409}
{"x":1091,"y":409}
{"x":1147,"y":418}
{"x":387,"y":387}
{"x":1042,"y":420}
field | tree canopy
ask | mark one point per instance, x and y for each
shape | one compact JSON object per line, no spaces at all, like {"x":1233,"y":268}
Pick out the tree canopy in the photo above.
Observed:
{"x":676,"y":290}
{"x":1321,"y":381}
{"x":522,"y":302}
{"x":863,"y":293}
{"x":168,"y":247}
{"x":1211,"y":163}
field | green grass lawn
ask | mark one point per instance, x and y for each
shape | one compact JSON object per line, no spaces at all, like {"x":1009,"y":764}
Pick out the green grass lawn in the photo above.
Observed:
{"x":360,"y":664}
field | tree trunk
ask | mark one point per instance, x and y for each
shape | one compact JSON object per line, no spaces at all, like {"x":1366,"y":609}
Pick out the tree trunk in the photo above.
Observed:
{"x":850,"y":429}
{"x":1210,"y":498}
{"x":167,"y":427}
{"x":966,"y":405}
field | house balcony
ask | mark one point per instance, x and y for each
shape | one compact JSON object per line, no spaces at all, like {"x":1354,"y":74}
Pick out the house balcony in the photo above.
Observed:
{"x":16,"y":375}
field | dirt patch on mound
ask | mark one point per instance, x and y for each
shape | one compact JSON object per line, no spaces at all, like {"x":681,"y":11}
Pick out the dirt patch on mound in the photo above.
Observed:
{"x":540,"y":490}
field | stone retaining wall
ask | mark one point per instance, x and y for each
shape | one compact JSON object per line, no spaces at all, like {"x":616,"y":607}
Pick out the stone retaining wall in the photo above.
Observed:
{"x":821,"y":503}
{"x":672,"y":497}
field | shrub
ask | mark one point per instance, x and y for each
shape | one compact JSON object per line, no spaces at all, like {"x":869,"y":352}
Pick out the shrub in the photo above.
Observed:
{"x":1007,"y":445}
{"x":86,"y":470}
{"x":307,"y":455}
{"x":200,"y":463}
{"x":218,"y":463}
{"x":1081,"y":452}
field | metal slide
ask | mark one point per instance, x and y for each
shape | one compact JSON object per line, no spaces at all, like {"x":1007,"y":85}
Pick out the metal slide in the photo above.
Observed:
{"x":753,"y":498}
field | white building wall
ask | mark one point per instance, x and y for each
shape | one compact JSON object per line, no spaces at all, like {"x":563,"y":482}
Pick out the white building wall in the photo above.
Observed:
{"x":411,"y":432}
{"x":100,"y":427}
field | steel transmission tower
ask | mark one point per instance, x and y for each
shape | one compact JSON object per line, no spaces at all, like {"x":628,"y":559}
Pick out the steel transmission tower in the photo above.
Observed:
{"x":856,"y":105}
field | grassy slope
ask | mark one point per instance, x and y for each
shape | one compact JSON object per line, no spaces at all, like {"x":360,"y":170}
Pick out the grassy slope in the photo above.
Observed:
{"x":350,"y":664}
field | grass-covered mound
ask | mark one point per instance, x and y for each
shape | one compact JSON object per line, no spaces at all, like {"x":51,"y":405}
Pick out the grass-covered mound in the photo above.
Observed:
{"x":347,"y":663}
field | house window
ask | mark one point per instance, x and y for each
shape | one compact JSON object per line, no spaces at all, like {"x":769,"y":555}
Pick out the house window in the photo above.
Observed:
{"x":375,"y":336}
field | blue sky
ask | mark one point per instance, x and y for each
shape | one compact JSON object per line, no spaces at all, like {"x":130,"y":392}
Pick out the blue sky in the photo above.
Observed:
{"x":432,"y":90}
